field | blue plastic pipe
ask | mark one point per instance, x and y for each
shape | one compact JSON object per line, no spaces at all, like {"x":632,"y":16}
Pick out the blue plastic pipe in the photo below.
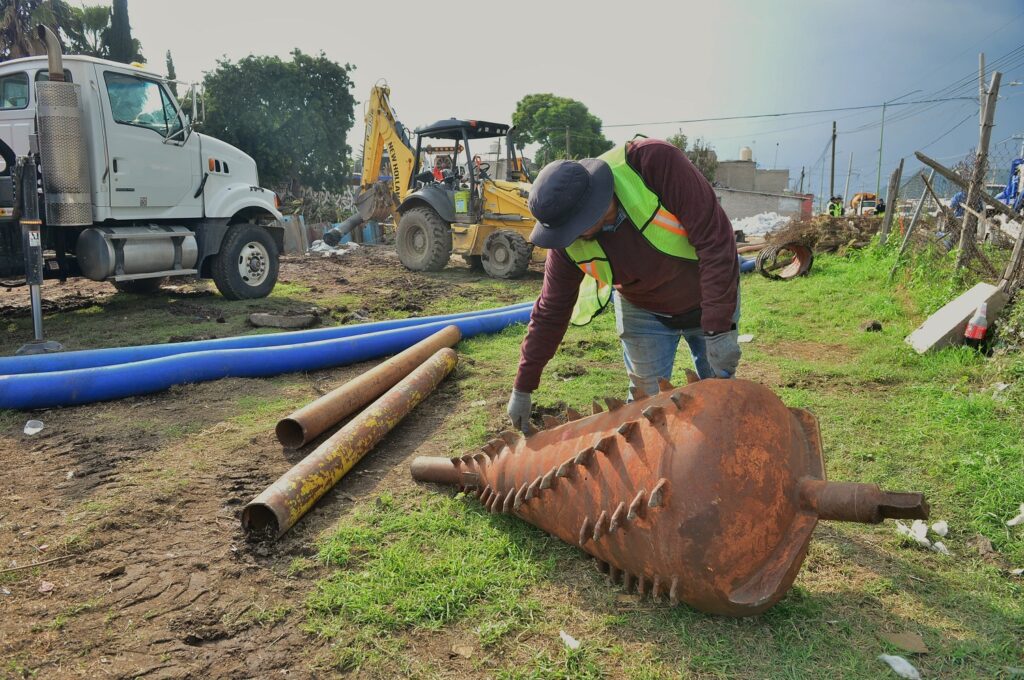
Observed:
{"x":100,"y":383}
{"x":65,"y":361}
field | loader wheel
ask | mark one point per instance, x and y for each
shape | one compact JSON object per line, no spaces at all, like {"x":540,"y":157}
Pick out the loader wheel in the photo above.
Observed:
{"x":140,"y":286}
{"x":506,"y":255}
{"x":424,"y":240}
{"x":474,"y":262}
{"x":246,"y":266}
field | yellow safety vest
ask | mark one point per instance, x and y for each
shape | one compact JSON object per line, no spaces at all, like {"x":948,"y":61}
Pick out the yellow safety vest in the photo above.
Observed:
{"x":661,"y":228}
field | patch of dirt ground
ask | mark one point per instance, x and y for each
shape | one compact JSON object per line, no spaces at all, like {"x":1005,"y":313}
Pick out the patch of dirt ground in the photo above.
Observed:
{"x":133,"y":506}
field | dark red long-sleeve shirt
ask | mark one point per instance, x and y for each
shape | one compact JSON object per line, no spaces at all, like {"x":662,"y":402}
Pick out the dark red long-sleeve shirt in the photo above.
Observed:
{"x":647,"y":278}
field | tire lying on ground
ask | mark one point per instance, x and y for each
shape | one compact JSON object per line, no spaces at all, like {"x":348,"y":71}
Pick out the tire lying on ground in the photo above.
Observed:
{"x":424,"y":240}
{"x":506,"y":255}
{"x":140,"y":286}
{"x":247,"y":265}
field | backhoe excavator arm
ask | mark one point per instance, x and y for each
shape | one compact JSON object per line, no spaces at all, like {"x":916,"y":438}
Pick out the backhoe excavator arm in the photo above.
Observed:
{"x":377,"y":200}
{"x":383,"y":133}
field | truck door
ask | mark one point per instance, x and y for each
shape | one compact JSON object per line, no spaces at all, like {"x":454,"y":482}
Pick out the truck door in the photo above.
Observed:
{"x":154,"y":161}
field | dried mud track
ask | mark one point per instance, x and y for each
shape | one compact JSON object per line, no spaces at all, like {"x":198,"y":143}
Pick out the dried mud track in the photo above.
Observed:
{"x":143,"y":496}
{"x":162,"y":582}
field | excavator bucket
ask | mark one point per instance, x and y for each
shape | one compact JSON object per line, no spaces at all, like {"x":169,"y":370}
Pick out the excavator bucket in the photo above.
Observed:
{"x":705,"y":494}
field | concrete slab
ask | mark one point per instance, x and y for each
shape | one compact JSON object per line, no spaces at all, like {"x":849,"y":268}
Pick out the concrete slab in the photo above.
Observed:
{"x":946,"y":327}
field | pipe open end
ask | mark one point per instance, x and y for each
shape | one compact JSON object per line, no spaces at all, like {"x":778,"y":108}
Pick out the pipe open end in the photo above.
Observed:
{"x":258,"y":518}
{"x":290,"y":433}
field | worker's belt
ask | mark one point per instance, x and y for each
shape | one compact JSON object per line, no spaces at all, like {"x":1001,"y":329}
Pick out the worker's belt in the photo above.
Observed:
{"x":682,"y":322}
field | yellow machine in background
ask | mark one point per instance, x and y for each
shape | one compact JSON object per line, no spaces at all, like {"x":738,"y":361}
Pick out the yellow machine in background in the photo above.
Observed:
{"x":455,"y":206}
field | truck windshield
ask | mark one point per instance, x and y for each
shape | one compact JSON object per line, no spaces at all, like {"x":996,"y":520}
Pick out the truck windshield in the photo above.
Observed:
{"x":142,"y":103}
{"x":14,"y":91}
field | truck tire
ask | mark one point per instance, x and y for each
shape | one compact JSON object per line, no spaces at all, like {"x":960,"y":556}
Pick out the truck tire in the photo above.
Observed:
{"x":246,"y":266}
{"x":506,"y":255}
{"x":424,"y":240}
{"x":140,"y":286}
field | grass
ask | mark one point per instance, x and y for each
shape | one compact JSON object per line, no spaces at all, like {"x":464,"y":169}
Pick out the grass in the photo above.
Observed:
{"x":422,"y":566}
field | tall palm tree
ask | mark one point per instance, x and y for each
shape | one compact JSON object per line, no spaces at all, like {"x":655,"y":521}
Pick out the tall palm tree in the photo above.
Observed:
{"x":18,"y":21}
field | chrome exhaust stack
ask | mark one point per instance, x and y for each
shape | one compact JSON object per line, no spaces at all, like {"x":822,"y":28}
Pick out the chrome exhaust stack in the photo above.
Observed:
{"x":64,"y":157}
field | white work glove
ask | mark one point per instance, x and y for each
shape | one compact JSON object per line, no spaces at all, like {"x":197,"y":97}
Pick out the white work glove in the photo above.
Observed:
{"x":519,"y":407}
{"x":723,"y":353}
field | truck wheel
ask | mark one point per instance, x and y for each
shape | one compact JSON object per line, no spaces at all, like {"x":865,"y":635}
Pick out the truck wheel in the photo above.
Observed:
{"x":506,"y":255}
{"x":424,"y":240}
{"x":246,"y":266}
{"x":140,"y":286}
{"x":474,"y":262}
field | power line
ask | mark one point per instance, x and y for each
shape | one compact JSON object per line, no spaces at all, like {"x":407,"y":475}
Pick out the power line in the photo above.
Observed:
{"x":785,"y":113}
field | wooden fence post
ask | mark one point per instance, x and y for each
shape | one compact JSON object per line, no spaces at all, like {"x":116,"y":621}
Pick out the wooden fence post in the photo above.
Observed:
{"x":890,"y":198}
{"x":977,"y":184}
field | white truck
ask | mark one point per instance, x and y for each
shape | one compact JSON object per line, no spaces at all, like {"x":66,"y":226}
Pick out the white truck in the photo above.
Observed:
{"x":129,"y":193}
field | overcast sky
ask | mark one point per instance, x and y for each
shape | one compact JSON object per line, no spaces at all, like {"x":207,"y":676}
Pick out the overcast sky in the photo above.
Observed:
{"x":641,"y":62}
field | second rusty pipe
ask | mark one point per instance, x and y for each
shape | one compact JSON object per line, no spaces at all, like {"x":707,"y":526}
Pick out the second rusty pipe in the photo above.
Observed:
{"x":304,"y":425}
{"x":284,"y":502}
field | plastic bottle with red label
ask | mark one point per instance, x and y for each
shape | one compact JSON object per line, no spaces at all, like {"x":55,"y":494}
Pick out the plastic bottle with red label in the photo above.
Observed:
{"x":977,"y":327}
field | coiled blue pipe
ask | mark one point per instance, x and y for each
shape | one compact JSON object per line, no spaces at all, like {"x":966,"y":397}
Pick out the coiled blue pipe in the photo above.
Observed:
{"x":100,"y":383}
{"x":65,"y":361}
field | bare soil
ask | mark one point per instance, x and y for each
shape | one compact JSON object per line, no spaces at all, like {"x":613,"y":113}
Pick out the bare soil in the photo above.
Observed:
{"x":141,"y":497}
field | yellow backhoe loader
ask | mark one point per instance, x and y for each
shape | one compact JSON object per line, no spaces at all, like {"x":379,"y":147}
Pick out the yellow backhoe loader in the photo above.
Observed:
{"x":455,"y":206}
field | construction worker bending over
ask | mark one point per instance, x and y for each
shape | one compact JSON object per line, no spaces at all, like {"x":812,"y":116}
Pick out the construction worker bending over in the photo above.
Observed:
{"x":642,"y":225}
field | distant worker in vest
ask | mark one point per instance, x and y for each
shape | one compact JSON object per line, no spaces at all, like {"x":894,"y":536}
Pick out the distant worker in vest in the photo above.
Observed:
{"x":880,"y":206}
{"x":835,"y":206}
{"x":641,"y":225}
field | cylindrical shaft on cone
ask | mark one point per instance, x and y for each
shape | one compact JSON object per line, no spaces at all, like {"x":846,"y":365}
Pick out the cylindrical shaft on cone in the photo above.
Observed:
{"x":304,"y":425}
{"x":282,"y":504}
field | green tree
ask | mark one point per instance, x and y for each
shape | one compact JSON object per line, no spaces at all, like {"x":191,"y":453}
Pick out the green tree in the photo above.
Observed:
{"x":700,"y":153}
{"x":18,"y":21}
{"x":563,"y":127}
{"x":92,"y":22}
{"x":171,"y":74}
{"x":291,"y":116}
{"x":117,"y":38}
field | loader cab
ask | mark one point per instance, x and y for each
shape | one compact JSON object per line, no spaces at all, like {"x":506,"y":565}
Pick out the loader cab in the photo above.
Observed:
{"x":462,"y":142}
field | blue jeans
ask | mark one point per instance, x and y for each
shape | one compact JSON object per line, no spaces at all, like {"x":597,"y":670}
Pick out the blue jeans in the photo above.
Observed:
{"x":649,"y":346}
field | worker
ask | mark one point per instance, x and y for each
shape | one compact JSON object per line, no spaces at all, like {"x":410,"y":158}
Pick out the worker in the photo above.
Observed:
{"x":835,"y":206}
{"x":880,"y":207}
{"x":641,"y":225}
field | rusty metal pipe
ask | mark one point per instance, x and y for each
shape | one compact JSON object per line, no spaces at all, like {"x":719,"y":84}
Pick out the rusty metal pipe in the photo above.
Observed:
{"x":706,"y":494}
{"x":304,"y":425}
{"x":284,"y":502}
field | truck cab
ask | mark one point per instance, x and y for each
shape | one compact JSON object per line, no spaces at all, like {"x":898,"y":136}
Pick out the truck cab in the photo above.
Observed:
{"x":154,"y":198}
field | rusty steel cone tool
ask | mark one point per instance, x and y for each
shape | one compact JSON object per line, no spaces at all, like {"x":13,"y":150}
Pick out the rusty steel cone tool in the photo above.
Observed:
{"x":304,"y":425}
{"x":705,"y":494}
{"x":284,"y":502}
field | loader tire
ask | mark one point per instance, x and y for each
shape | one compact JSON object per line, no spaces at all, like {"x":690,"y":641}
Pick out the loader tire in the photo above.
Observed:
{"x":424,"y":240}
{"x":247,"y":265}
{"x":506,"y":255}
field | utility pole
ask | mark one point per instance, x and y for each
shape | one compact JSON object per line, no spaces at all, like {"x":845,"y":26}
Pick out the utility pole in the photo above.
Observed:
{"x":821,"y":188}
{"x":568,"y":153}
{"x":802,"y":168}
{"x":881,"y":139}
{"x":981,"y":88}
{"x":846,"y":189}
{"x":832,"y":181}
{"x":977,"y":185}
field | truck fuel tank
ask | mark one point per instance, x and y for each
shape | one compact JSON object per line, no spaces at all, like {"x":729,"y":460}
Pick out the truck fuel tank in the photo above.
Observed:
{"x":106,"y":252}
